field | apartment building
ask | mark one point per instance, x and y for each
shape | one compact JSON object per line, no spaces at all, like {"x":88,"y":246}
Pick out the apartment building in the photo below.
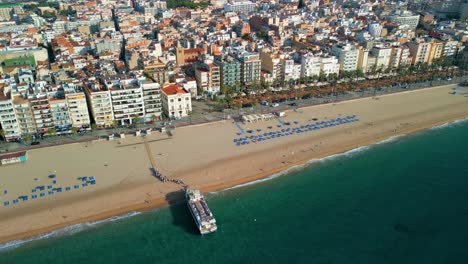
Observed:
{"x":383,"y":55}
{"x":348,"y":56}
{"x":8,"y":120}
{"x":420,"y":51}
{"x":250,"y":67}
{"x":151,"y":99}
{"x":271,"y":63}
{"x":60,"y":115}
{"x":242,"y":7}
{"x":41,"y":111}
{"x":230,"y":69}
{"x":100,"y":103}
{"x":78,"y":110}
{"x":310,"y":65}
{"x":127,"y":100}
{"x":208,"y":77}
{"x":399,"y":56}
{"x":404,"y":17}
{"x":24,"y":115}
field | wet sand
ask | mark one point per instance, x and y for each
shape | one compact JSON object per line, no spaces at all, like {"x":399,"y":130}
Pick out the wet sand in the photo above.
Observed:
{"x":204,"y":157}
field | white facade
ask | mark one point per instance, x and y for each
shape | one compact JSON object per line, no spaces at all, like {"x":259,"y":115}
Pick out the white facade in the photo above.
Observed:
{"x":127,"y":102}
{"x":383,"y":56}
{"x":152,"y":99}
{"x":176,"y":101}
{"x":375,"y":29}
{"x":78,"y":110}
{"x":450,"y":48}
{"x":330,"y":65}
{"x":8,"y":120}
{"x":310,"y":65}
{"x":405,"y":18}
{"x":348,"y":57}
{"x":243,"y":7}
{"x":60,"y":115}
{"x":100,"y":105}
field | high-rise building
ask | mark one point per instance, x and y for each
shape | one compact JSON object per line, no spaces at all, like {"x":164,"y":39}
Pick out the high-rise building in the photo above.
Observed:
{"x":230,"y":69}
{"x":250,"y":67}
{"x":348,"y":56}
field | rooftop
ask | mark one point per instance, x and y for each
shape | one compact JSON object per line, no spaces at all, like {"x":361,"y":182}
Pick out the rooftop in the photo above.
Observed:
{"x":173,"y":89}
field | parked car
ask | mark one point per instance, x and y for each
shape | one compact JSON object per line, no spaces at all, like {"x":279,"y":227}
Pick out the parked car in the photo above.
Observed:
{"x":274,"y":105}
{"x":247,"y":105}
{"x":35,"y":143}
{"x":293,"y":104}
{"x":264,"y":103}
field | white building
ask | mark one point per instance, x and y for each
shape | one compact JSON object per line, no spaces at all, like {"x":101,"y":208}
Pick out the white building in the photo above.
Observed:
{"x":152,"y":99}
{"x":78,"y":110}
{"x":127,"y":100}
{"x":8,"y":120}
{"x":310,"y":65}
{"x":375,"y":29}
{"x":450,"y":48}
{"x":383,"y":54}
{"x":176,"y":101}
{"x":330,"y":65}
{"x":348,"y":56}
{"x":403,"y":17}
{"x":100,"y":104}
{"x":243,"y":7}
{"x":60,"y":115}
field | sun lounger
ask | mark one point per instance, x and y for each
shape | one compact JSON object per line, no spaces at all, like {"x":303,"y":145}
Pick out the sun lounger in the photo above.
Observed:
{"x":42,"y":194}
{"x":49,"y":187}
{"x":51,"y":192}
{"x":76,"y":186}
{"x":7,"y":203}
{"x":15,"y":201}
{"x":67,"y":188}
{"x":33,"y":190}
{"x":34,"y":196}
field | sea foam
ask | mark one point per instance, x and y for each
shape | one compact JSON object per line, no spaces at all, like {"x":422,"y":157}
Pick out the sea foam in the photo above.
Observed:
{"x":69,"y":230}
{"x":300,"y":167}
{"x":450,"y":124}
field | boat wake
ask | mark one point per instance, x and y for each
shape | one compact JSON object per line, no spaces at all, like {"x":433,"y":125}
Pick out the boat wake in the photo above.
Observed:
{"x":69,"y":230}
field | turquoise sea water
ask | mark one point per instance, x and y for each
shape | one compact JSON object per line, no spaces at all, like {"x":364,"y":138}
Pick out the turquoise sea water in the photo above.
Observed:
{"x":404,"y":201}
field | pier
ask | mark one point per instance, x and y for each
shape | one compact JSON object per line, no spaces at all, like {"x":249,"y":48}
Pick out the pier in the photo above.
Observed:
{"x":156,"y":173}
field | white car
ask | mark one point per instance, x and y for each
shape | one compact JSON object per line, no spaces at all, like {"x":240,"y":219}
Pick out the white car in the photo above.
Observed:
{"x":275,"y":105}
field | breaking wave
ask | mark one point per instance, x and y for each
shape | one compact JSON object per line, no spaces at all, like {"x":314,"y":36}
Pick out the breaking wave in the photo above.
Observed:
{"x":69,"y":230}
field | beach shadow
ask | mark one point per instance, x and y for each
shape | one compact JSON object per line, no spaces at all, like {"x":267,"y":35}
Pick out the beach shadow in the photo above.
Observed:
{"x":180,"y":213}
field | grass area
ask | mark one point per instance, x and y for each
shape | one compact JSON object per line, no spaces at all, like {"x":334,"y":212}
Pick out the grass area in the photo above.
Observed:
{"x":20,"y":61}
{"x":185,"y":3}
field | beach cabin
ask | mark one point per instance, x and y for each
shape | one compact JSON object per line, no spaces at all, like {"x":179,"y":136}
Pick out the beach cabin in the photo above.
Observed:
{"x":122,"y":135}
{"x":13,"y":158}
{"x":137,"y":133}
{"x":111,"y":137}
{"x":148,"y":131}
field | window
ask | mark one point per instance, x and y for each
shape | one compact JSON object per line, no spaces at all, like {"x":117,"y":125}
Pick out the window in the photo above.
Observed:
{"x":180,"y":99}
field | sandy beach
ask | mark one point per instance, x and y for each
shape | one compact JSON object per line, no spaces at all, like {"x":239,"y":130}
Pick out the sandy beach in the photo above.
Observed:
{"x":204,"y":157}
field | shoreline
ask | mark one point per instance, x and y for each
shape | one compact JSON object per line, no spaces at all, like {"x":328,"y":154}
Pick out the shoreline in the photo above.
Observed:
{"x":163,"y":201}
